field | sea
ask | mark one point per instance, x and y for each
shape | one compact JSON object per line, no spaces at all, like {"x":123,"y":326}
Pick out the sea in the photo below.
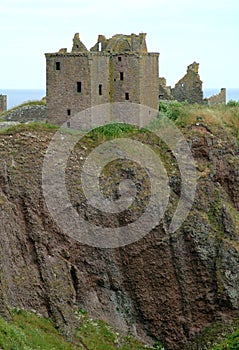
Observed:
{"x":16,"y":97}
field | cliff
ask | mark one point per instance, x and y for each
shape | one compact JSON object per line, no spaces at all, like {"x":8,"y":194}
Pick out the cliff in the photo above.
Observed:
{"x":165,"y":287}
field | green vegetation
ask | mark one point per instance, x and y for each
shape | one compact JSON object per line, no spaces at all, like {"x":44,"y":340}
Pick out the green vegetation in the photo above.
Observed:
{"x":214,"y":117}
{"x":231,"y":342}
{"x":114,"y":130}
{"x":96,"y":334}
{"x":218,"y":336}
{"x":233,"y":103}
{"x":174,"y":110}
{"x":28,"y":331}
{"x":33,"y":126}
{"x":182,"y":114}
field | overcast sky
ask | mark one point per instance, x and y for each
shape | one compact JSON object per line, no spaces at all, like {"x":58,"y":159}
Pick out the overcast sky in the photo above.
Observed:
{"x":183,"y":31}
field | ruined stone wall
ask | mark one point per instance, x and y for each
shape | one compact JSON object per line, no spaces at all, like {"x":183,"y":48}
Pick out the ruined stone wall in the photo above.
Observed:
{"x":218,"y":98}
{"x":189,"y":88}
{"x":3,"y":103}
{"x":33,"y":113}
{"x":164,"y":90}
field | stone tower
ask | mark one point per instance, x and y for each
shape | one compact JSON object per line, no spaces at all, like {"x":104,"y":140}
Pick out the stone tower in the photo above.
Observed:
{"x":3,"y":103}
{"x":113,"y":70}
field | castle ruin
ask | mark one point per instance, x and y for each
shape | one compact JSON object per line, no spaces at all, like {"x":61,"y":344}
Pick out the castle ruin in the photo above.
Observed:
{"x":219,"y":98}
{"x":113,"y":70}
{"x":189,"y":88}
{"x":3,"y":103}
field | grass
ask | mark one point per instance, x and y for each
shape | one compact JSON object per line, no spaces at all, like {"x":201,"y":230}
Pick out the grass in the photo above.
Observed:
{"x":182,"y":114}
{"x":231,"y":342}
{"x":219,"y":116}
{"x":218,"y":336}
{"x":98,"y":335}
{"x":115,"y":130}
{"x":33,"y":126}
{"x":29,"y":331}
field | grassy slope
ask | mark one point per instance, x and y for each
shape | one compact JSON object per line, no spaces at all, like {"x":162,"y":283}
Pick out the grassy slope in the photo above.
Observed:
{"x":28,"y":331}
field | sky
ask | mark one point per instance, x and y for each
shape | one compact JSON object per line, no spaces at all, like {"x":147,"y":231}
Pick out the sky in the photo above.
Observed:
{"x":182,"y":31}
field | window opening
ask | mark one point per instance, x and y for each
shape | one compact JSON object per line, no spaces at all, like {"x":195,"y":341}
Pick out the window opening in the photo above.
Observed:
{"x":78,"y":86}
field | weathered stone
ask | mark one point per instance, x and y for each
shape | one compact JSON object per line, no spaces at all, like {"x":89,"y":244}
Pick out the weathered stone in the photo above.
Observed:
{"x":189,"y":88}
{"x":219,"y":98}
{"x":78,"y":46}
{"x":165,"y":286}
{"x":164,"y":90}
{"x":115,"y":70}
{"x":3,"y":103}
{"x":29,"y":113}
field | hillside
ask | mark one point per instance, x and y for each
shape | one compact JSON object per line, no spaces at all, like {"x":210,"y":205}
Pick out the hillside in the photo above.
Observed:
{"x":168,"y":288}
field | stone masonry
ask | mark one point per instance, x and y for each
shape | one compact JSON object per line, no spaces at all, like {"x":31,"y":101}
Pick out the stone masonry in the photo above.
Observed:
{"x":113,"y":70}
{"x":189,"y":88}
{"x":3,"y":103}
{"x":164,"y":90}
{"x":219,"y":98}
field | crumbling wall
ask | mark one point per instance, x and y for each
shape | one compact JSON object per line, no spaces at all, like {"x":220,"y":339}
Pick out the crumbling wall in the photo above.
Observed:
{"x":121,"y":43}
{"x":164,"y":90}
{"x":31,"y":113}
{"x":3,"y":103}
{"x":189,"y":88}
{"x":219,"y":98}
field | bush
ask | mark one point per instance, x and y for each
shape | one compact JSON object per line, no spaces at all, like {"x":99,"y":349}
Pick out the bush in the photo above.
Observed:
{"x":173,"y":110}
{"x":233,"y":103}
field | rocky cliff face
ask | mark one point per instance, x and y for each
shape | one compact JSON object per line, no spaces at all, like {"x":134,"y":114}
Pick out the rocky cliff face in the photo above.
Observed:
{"x":166,"y":287}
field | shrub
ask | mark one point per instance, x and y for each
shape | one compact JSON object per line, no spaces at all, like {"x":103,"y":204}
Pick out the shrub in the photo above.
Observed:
{"x":173,"y":110}
{"x":232,"y":103}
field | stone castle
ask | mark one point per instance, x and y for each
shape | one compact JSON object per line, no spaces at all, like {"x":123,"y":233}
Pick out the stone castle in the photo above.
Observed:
{"x":113,"y":70}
